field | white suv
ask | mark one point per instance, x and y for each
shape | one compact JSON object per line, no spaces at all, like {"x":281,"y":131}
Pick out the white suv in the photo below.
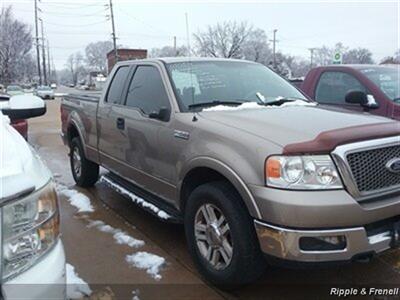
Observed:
{"x":31,"y":251}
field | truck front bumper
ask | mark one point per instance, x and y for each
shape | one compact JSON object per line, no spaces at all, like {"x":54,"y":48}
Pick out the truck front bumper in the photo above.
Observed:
{"x":321,"y":245}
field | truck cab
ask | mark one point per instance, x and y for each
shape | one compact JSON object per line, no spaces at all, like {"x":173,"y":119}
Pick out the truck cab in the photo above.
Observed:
{"x":377,"y":84}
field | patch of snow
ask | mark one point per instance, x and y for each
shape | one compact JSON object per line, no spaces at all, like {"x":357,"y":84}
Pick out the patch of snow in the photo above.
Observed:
{"x":147,"y":261}
{"x":136,"y":199}
{"x":77,"y":288}
{"x":121,"y":237}
{"x":79,"y":200}
{"x":255,"y":105}
{"x":135,"y":295}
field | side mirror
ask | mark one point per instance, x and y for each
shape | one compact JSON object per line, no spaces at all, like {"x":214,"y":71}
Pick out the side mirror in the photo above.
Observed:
{"x":359,"y":97}
{"x":163,"y":114}
{"x":24,"y":107}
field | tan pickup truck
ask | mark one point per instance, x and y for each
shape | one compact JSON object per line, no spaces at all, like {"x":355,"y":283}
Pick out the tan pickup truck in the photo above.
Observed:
{"x":246,"y":161}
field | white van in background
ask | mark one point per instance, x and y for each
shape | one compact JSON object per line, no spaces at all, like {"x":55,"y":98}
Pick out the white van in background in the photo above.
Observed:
{"x":32,"y":254}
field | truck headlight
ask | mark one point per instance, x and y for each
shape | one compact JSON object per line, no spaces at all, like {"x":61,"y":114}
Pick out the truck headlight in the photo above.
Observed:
{"x":30,"y":229}
{"x":312,"y":172}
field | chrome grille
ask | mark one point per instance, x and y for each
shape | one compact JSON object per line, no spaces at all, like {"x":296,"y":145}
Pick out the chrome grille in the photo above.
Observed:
{"x":369,"y":168}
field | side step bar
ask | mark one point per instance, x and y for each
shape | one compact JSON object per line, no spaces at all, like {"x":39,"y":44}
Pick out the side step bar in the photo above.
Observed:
{"x":149,"y":202}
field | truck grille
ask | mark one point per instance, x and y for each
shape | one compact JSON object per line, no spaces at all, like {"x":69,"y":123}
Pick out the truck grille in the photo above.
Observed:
{"x":369,"y":169}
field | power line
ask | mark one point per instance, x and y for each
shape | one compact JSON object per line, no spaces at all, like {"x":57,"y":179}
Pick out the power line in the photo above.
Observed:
{"x":95,"y":14}
{"x":75,"y":25}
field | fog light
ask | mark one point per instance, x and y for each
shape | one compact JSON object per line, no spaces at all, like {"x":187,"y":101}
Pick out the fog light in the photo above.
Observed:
{"x":323,"y":243}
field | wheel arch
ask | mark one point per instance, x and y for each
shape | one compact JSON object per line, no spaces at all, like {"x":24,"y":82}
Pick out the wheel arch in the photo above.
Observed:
{"x":205,"y":169}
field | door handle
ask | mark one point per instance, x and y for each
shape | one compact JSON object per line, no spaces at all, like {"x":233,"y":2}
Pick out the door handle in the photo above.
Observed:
{"x":120,"y":123}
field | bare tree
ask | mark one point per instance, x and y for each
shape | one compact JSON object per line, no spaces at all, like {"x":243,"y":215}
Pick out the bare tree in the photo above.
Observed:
{"x":358,"y":56}
{"x":96,"y":55}
{"x":256,"y":47}
{"x":223,"y":40}
{"x":75,"y":66}
{"x":16,"y":44}
{"x":168,"y":51}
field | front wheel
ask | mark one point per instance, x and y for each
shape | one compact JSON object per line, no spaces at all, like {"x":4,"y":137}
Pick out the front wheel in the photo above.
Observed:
{"x":84,"y":171}
{"x":221,"y":236}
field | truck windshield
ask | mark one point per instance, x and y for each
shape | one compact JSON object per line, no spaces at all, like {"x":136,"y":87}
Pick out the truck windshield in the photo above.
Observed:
{"x":227,"y":81}
{"x":387,"y":79}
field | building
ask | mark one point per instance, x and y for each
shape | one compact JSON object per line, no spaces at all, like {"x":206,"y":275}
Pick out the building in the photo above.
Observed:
{"x":125,"y":54}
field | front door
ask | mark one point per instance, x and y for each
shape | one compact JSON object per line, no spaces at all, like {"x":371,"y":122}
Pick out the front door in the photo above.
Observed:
{"x":149,"y":150}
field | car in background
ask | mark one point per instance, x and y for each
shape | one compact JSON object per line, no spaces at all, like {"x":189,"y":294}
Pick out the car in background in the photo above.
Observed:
{"x":365,"y":88}
{"x":33,"y":258}
{"x":71,"y":85}
{"x":2,"y":89}
{"x":19,"y":125}
{"x":44,"y":92}
{"x":53,"y":86}
{"x":13,"y":90}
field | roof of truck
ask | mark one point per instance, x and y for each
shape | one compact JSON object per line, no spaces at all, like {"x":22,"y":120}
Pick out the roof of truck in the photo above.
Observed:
{"x":181,"y":59}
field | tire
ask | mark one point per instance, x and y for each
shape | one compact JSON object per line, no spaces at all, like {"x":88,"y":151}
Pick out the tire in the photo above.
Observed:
{"x":246,"y":263}
{"x":89,"y":171}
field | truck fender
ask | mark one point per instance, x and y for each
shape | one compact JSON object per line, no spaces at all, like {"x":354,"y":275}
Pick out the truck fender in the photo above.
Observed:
{"x":73,"y":120}
{"x":228,"y":173}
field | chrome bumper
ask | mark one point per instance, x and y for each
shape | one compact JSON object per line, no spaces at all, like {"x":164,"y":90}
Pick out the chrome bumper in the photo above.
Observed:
{"x":285,"y":243}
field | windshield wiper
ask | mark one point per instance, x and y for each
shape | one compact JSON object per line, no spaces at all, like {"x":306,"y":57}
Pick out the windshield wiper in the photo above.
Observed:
{"x":214,"y":103}
{"x":281,"y":100}
{"x":396,"y":100}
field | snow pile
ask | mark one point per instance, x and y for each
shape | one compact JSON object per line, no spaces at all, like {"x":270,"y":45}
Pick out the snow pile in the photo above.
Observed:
{"x":150,"y":262}
{"x":121,"y":237}
{"x":79,"y":200}
{"x":136,"y":199}
{"x":77,"y":288}
{"x":255,"y":105}
{"x":135,"y":295}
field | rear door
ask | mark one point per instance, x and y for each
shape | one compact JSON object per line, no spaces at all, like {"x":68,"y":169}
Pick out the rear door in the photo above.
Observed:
{"x":111,"y":131}
{"x":332,"y":87}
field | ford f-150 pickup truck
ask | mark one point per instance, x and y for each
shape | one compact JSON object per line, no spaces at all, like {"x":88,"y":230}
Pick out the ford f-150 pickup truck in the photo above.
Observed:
{"x":369,"y":88}
{"x":247,"y":162}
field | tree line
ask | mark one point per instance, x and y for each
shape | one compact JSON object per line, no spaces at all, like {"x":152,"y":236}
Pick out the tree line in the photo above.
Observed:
{"x":228,"y":39}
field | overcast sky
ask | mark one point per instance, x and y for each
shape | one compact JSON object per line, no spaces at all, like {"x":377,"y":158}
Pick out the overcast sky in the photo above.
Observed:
{"x":71,"y":24}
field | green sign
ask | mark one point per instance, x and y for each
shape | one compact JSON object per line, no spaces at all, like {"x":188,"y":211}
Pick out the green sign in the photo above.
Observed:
{"x":337,"y":58}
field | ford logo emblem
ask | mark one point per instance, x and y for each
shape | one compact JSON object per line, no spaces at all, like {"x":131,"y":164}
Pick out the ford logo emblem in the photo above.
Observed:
{"x":393,"y":165}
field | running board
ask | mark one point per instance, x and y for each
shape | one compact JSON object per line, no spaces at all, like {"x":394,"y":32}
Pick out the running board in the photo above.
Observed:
{"x":150,"y":203}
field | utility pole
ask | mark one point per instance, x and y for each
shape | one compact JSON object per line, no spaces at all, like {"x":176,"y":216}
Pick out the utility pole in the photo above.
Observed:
{"x":48,"y":61}
{"x":43,"y":56}
{"x":312,"y":56}
{"x":113,"y":32}
{"x":175,"y":46}
{"x":274,"y":41}
{"x":37,"y":43}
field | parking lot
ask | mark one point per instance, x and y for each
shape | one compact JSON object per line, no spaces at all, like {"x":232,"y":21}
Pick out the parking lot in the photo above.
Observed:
{"x":103,"y":261}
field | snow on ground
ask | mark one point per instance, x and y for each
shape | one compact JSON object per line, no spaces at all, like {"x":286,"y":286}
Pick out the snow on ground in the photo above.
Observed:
{"x":77,"y":288}
{"x":147,"y":261}
{"x":136,"y":199}
{"x":79,"y":200}
{"x":135,"y":295}
{"x":254,"y":105}
{"x":120,"y":237}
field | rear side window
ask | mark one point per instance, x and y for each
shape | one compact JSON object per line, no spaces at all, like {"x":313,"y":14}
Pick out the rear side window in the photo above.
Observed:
{"x":117,"y":85}
{"x":146,"y":90}
{"x":333,"y":87}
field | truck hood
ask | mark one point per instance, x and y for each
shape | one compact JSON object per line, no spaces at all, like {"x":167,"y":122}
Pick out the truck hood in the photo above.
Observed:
{"x":21,"y":169}
{"x":290,"y":124}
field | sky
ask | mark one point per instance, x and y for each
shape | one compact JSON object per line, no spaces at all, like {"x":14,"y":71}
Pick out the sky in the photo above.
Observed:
{"x":70,"y":25}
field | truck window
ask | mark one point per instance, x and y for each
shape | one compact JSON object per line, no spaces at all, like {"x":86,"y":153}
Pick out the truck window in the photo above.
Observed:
{"x":333,"y":87}
{"x":117,"y":85}
{"x":146,"y":90}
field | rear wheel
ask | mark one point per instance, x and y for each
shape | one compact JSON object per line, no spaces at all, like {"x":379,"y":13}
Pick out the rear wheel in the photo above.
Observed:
{"x":221,"y":236}
{"x":84,"y":171}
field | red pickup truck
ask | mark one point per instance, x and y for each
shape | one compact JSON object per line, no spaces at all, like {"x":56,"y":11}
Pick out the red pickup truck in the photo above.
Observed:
{"x":20,"y":125}
{"x":371,"y":88}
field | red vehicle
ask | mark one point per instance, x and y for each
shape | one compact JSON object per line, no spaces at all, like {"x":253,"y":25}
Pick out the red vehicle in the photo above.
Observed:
{"x":20,"y":125}
{"x":370,"y":88}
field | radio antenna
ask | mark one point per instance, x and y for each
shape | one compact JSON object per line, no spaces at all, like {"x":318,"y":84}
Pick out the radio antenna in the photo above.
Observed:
{"x":190,"y":62}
